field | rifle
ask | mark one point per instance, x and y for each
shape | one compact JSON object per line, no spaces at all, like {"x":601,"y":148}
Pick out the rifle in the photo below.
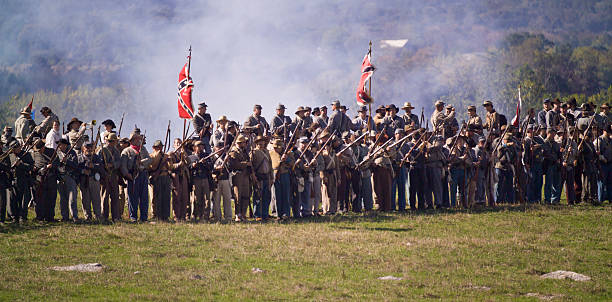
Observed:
{"x":412,"y":149}
{"x":422,"y":117}
{"x":166,"y":140}
{"x":351,"y":144}
{"x":586,"y":131}
{"x":322,"y":147}
{"x":97,"y":138}
{"x":454,"y":145}
{"x":120,"y":125}
{"x":138,"y":156}
{"x":305,"y":149}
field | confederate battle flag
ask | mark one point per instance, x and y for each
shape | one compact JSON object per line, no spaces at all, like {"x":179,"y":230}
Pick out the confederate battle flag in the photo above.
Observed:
{"x":367,"y":69}
{"x":185,"y":87}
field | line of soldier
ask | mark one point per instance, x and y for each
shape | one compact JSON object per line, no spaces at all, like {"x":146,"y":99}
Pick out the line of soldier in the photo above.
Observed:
{"x":313,"y":164}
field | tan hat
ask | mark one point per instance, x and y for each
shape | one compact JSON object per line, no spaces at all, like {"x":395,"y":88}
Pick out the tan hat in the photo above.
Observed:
{"x":471,"y":107}
{"x":439,"y":103}
{"x":198,"y":143}
{"x":26,"y":110}
{"x":222,"y":118}
{"x":241,"y":139}
{"x":259,"y":138}
{"x":278,"y":143}
{"x":407,"y":105}
{"x":158,"y":144}
{"x":487,"y":103}
{"x":111,"y":137}
{"x":604,"y":106}
{"x":325,"y":134}
{"x":300,"y":109}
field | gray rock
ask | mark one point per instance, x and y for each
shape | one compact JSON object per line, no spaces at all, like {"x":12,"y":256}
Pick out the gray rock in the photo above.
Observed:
{"x":256,"y":270}
{"x":566,"y":275}
{"x":390,"y":278}
{"x":543,"y":297}
{"x":88,"y":267}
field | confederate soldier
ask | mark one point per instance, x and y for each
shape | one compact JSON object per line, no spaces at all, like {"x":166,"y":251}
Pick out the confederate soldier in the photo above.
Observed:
{"x":460,"y":160}
{"x":506,"y":156}
{"x":240,"y":166}
{"x":223,"y":187}
{"x":552,"y":155}
{"x":324,"y":116}
{"x":110,"y":183}
{"x":202,"y":124}
{"x":492,"y":120}
{"x":281,"y":124}
{"x":383,"y":178}
{"x":416,"y":172}
{"x":568,"y":151}
{"x":603,"y":147}
{"x":401,"y":175}
{"x":281,"y":165}
{"x":5,"y":184}
{"x":441,"y":121}
{"x":319,"y":167}
{"x":262,"y":167}
{"x":346,"y":163}
{"x":91,"y":170}
{"x":434,"y":165}
{"x":47,"y":123}
{"x":573,"y":108}
{"x":552,"y":116}
{"x":410,"y":119}
{"x":481,"y":163}
{"x":221,"y":133}
{"x":379,"y":117}
{"x":24,"y":124}
{"x":335,"y":121}
{"x":318,"y":118}
{"x":533,"y":158}
{"x":7,"y":136}
{"x":76,"y":135}
{"x":303,"y":173}
{"x":364,"y":195}
{"x":20,"y":193}
{"x":566,"y":119}
{"x":587,"y":156}
{"x":69,"y":175}
{"x":392,"y":121}
{"x":180,"y":180}
{"x":474,"y":119}
{"x":542,"y":114}
{"x":109,"y":125}
{"x":134,"y":160}
{"x":256,"y":123}
{"x":361,"y":121}
{"x":606,"y":115}
{"x":329,"y":176}
{"x":45,"y":168}
{"x":201,"y":177}
{"x":159,"y":179}
{"x":301,"y":118}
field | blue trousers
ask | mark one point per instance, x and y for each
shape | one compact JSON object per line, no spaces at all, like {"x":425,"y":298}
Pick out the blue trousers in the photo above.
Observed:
{"x":534,"y":191}
{"x":568,"y":179}
{"x":262,"y":204}
{"x":552,"y":185}
{"x":399,"y":186}
{"x":417,"y":188}
{"x":604,"y":183}
{"x":504,"y":191}
{"x":305,"y":197}
{"x":282,"y":191}
{"x":433,"y":185}
{"x":457,"y":183}
{"x":138,"y":197}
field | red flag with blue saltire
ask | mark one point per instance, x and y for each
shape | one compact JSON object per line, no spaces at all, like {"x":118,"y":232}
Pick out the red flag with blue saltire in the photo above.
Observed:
{"x":185,"y":88}
{"x":367,"y":69}
{"x":516,"y":120}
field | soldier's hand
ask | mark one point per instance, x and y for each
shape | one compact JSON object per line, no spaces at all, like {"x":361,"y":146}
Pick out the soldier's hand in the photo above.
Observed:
{"x":284,"y":157}
{"x":49,"y":166}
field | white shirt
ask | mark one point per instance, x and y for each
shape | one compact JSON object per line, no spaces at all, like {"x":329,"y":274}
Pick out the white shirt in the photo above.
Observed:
{"x":52,"y":138}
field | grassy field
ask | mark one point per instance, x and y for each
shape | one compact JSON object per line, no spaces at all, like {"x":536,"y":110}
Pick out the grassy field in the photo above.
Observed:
{"x":484,"y":255}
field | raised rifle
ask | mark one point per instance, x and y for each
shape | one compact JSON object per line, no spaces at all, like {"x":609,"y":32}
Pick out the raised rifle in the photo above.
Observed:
{"x":120,"y":125}
{"x":422,"y":117}
{"x":138,"y":157}
{"x":351,"y":144}
{"x":322,"y":147}
{"x":586,"y":131}
{"x":167,"y":138}
{"x":305,"y":149}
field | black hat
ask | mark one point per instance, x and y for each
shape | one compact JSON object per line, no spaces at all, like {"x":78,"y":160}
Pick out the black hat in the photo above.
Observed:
{"x":546,"y":101}
{"x":109,"y":123}
{"x":315,"y":109}
{"x":280,"y":107}
{"x":63,"y":141}
{"x":363,"y":109}
{"x":257,"y":106}
{"x":202,"y":105}
{"x":45,"y":109}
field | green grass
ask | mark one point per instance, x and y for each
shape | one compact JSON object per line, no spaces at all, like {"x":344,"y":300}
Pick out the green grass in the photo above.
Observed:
{"x":439,"y":255}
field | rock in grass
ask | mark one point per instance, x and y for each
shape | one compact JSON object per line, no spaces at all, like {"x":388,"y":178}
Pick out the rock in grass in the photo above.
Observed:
{"x":390,"y":278}
{"x":88,"y":267}
{"x":256,"y":270}
{"x":543,"y":297}
{"x":566,"y":275}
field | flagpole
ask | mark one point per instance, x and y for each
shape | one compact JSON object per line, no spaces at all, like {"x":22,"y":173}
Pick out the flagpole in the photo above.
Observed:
{"x":369,"y":93}
{"x":188,"y":76}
